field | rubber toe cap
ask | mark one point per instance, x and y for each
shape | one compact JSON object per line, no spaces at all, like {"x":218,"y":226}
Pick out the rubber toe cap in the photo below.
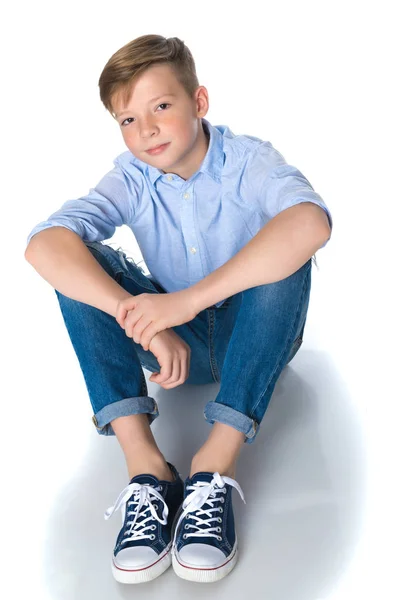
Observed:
{"x":202,"y":555}
{"x":136,"y":557}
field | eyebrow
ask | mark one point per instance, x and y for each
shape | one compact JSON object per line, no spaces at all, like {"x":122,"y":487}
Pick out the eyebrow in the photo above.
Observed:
{"x":149,"y":102}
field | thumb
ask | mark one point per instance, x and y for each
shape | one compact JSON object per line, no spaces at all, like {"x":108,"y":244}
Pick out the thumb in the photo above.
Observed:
{"x":121,"y":316}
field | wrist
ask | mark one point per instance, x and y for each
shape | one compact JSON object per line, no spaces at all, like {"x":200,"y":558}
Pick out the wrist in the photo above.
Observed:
{"x":194,"y":299}
{"x":116,"y":298}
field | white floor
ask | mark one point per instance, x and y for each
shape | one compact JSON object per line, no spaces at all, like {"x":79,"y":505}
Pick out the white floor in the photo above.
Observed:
{"x":302,"y":530}
{"x":321,"y":481}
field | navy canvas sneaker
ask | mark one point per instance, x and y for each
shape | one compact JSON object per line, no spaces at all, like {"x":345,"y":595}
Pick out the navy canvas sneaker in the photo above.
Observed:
{"x":143,"y":548}
{"x":204,"y":542}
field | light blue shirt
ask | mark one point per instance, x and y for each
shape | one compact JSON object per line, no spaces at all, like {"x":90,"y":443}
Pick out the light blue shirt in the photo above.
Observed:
{"x":187,"y":229}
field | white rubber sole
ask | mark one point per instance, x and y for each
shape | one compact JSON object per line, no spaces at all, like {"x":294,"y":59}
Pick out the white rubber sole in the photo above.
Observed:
{"x":192,"y":573}
{"x":142,"y":575}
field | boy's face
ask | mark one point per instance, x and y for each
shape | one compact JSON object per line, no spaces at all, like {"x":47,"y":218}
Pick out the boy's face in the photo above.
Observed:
{"x":153,"y":117}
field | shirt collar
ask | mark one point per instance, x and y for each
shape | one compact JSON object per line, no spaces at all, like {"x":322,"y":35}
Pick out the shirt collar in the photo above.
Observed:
{"x":213,"y":161}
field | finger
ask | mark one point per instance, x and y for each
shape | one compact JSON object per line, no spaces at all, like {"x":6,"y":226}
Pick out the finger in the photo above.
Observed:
{"x":121,"y":316}
{"x":176,"y":369}
{"x":184,"y":369}
{"x":183,"y":374}
{"x":148,"y":334}
{"x":138,"y":330}
{"x":131,"y":322}
{"x":187,"y":365}
{"x":165,"y":373}
{"x":123,"y":309}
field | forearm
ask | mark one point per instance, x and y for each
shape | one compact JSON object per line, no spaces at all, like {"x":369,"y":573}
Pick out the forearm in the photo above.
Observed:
{"x":62,"y":259}
{"x":279,"y":249}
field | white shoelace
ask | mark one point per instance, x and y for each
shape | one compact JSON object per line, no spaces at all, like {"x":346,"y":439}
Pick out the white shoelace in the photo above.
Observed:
{"x":206,"y":494}
{"x":142,"y":497}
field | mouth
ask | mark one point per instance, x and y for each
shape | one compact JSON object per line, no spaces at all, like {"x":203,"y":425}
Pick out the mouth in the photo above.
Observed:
{"x":157,"y":149}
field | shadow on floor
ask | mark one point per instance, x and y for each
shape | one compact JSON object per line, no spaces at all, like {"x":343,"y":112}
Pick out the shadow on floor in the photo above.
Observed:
{"x":303,"y":480}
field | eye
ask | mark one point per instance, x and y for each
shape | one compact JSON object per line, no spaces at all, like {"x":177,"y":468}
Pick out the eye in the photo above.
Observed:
{"x":122,"y":124}
{"x":130,"y":118}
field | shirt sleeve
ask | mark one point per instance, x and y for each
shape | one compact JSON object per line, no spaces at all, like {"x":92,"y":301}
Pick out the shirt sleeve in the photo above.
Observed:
{"x":276,"y":185}
{"x":94,"y":217}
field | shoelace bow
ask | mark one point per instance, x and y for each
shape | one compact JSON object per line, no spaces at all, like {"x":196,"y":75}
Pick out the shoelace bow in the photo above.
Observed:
{"x":142,"y":497}
{"x":205,"y":493}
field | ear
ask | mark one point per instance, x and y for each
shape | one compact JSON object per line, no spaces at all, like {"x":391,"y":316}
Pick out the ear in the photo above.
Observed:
{"x":202,"y":104}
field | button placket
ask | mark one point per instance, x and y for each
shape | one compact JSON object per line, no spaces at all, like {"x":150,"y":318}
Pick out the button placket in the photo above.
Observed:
{"x":192,"y":249}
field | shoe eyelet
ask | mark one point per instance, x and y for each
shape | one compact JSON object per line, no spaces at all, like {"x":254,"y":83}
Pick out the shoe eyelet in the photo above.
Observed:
{"x":222,"y":500}
{"x":152,"y":537}
{"x":219,"y":538}
{"x":219,"y":520}
{"x":184,"y":536}
{"x":187,"y":526}
{"x":153,"y":527}
{"x":224,"y":491}
{"x":219,"y":529}
{"x":221,"y":509}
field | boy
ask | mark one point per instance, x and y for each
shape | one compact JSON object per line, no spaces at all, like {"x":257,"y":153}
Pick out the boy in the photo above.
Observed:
{"x":227,"y":229}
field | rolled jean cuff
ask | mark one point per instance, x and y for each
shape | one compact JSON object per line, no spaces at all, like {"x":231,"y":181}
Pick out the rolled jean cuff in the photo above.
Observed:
{"x":124,"y":408}
{"x":215,"y":411}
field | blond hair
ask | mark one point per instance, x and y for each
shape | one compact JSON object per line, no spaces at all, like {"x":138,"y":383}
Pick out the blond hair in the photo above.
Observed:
{"x":130,"y":61}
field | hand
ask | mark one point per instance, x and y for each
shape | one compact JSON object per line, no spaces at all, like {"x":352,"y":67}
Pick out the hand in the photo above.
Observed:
{"x":145,"y":315}
{"x":173,"y":355}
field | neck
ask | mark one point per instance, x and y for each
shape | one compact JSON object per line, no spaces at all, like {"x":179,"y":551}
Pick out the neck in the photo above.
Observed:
{"x":201,"y":150}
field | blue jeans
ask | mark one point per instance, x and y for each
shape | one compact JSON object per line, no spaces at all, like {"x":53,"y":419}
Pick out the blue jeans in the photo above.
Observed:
{"x":244,"y":345}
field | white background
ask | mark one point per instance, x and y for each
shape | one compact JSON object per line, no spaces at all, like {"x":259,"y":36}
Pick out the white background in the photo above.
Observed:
{"x":319,"y":80}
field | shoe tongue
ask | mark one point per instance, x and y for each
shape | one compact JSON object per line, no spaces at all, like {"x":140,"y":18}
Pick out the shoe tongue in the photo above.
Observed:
{"x":145,"y":478}
{"x":202,"y":476}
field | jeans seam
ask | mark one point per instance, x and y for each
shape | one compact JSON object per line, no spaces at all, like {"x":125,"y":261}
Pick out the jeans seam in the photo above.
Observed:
{"x":279,"y":362}
{"x":150,"y":287}
{"x":122,"y":270}
{"x":213,"y":364}
{"x":127,"y":273}
{"x":116,"y":268}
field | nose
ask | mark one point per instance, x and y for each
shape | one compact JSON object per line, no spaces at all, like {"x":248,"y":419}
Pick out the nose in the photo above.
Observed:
{"x":147,"y":128}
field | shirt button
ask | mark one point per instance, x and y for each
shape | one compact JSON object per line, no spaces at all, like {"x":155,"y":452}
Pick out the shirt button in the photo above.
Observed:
{"x":169,"y":177}
{"x":186,"y":196}
{"x":193,"y":250}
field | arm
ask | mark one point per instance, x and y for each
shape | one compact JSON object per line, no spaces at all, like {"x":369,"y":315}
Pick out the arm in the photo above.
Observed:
{"x":279,"y":249}
{"x":62,"y":259}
